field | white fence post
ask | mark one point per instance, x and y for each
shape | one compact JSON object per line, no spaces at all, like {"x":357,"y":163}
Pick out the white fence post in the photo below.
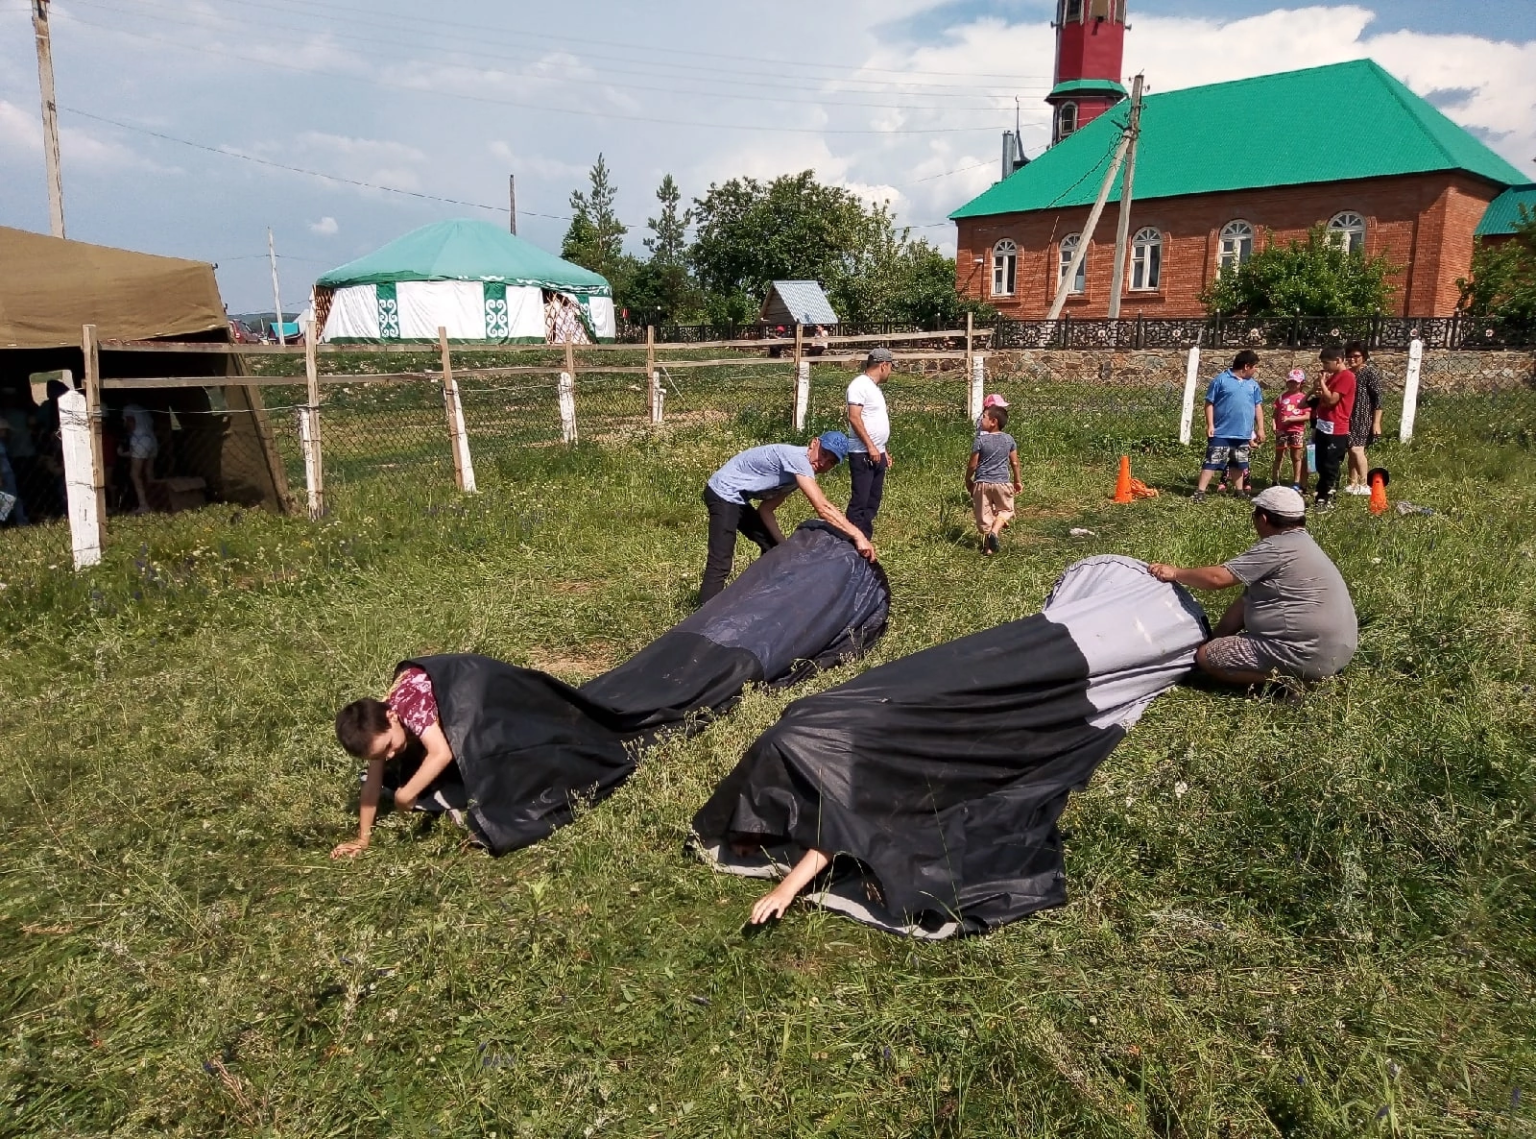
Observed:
{"x":802,"y":393}
{"x":567,"y":392}
{"x":978,"y":383}
{"x":458,"y":439}
{"x":309,"y":442}
{"x":1191,"y":378}
{"x":1411,"y":391}
{"x":658,"y":396}
{"x":80,"y":481}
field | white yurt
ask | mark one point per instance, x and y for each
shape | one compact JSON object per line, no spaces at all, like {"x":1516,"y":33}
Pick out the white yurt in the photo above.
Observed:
{"x":477,"y":281}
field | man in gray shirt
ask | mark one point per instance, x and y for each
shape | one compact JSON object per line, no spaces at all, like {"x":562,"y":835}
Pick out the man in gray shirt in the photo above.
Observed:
{"x":1295,"y":617}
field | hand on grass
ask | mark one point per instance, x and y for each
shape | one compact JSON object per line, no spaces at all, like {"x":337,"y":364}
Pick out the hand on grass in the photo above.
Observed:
{"x":350,"y":849}
{"x":772,"y":904}
{"x":1163,"y":572}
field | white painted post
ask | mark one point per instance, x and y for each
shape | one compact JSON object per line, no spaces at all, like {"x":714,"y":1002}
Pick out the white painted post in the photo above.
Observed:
{"x":658,"y":396}
{"x":1187,"y":408}
{"x":1411,"y":391}
{"x":567,"y":390}
{"x":310,"y":444}
{"x":458,"y":439}
{"x":978,"y":383}
{"x":80,"y":480}
{"x":802,"y":393}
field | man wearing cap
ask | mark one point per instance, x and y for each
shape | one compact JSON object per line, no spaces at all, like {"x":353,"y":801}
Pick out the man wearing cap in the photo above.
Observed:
{"x":771,"y":474}
{"x":1295,"y":617}
{"x":870,"y":426}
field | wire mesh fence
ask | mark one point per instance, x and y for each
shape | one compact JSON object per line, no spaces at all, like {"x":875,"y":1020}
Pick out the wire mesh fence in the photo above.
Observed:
{"x":386,"y":429}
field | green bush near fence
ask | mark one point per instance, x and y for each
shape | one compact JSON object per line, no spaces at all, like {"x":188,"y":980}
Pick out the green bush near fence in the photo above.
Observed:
{"x":1309,"y":919}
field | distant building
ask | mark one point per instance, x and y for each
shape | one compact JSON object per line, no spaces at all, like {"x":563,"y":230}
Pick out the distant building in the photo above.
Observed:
{"x":1221,"y":171}
{"x":1505,"y":214}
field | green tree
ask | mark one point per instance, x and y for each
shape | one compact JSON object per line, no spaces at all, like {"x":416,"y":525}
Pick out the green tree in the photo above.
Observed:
{"x":1315,"y":277}
{"x":661,"y":289}
{"x":595,"y":239}
{"x":668,"y":242}
{"x":1503,"y":281}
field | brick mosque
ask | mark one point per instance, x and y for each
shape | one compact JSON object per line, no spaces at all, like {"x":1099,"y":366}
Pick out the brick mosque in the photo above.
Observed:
{"x":1222,"y":170}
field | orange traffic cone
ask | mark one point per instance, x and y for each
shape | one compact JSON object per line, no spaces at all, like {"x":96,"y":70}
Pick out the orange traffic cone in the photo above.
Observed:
{"x":1379,"y":478}
{"x":1123,"y":483}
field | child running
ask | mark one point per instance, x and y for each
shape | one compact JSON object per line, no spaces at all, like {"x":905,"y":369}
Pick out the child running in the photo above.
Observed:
{"x":986,"y":477}
{"x":1291,"y":418}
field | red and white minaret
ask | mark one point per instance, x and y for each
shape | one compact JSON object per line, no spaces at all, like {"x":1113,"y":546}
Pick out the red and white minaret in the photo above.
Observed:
{"x":1090,"y":44}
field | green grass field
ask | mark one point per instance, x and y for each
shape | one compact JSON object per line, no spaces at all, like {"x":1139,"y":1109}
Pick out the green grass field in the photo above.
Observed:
{"x":1300,"y":919}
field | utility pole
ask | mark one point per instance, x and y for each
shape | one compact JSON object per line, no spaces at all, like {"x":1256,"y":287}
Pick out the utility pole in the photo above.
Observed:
{"x":512,"y":200}
{"x":277,"y":296}
{"x":1093,"y":221}
{"x":1123,"y":231}
{"x":50,"y":117}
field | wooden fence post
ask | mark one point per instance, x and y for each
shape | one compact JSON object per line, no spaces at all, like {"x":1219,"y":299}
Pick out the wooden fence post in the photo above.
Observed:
{"x":1411,"y":391}
{"x":80,"y":477}
{"x":567,"y":393}
{"x":309,"y":430}
{"x":652,"y":410}
{"x":1187,"y":408}
{"x":458,"y":438}
{"x":91,"y":349}
{"x":802,"y":393}
{"x":970,"y":364}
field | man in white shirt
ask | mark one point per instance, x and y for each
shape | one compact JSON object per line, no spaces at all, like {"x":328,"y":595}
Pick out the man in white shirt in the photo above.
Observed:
{"x":869,"y":431}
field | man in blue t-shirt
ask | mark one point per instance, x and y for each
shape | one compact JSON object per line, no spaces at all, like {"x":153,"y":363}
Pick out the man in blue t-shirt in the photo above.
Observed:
{"x":771,"y":474}
{"x":1234,"y":421}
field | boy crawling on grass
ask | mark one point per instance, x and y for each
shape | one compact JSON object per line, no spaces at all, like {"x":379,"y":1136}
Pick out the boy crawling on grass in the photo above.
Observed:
{"x":404,"y":725}
{"x":987,"y":477}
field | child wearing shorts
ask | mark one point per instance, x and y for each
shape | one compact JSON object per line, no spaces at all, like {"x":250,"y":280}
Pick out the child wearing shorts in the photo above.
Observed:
{"x":1291,"y":418}
{"x":987,"y":477}
{"x":1234,"y":421}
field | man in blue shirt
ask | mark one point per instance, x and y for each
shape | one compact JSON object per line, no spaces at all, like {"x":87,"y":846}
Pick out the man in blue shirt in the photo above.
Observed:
{"x":1234,"y":420}
{"x":771,"y":474}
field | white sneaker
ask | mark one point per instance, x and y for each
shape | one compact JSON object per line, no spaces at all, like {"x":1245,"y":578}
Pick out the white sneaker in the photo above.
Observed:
{"x":1357,"y":489}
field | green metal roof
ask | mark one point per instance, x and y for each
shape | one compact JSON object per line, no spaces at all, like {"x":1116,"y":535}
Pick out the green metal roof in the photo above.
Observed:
{"x":1086,"y":86}
{"x":1324,"y":124}
{"x":464,"y":250}
{"x":1503,"y":213}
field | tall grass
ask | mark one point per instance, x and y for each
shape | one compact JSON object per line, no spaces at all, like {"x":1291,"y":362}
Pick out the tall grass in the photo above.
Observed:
{"x":1309,"y":919}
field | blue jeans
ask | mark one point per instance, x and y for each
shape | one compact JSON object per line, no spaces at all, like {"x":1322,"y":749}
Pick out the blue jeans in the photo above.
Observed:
{"x":18,"y":514}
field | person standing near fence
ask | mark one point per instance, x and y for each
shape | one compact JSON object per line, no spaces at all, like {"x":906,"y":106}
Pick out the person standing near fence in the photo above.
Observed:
{"x":1234,"y":421}
{"x":870,"y":427}
{"x":1333,"y":399}
{"x":1365,"y":420}
{"x":771,"y":474}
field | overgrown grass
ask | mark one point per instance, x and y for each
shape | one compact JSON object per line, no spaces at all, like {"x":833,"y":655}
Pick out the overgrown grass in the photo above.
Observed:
{"x":1313,"y":919}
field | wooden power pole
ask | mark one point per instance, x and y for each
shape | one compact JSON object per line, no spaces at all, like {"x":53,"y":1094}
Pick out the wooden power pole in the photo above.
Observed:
{"x":1093,"y":223}
{"x":277,"y":296}
{"x":512,"y":200}
{"x":1123,"y":230}
{"x":50,"y":117}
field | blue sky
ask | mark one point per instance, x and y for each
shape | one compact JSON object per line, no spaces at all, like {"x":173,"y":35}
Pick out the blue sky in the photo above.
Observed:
{"x":900,"y":100}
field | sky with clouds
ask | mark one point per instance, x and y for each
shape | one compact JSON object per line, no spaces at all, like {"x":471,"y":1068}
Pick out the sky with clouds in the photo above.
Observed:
{"x":190,"y":126}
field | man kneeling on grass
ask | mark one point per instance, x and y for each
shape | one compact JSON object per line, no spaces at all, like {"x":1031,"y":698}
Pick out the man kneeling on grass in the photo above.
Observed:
{"x":1295,"y":617}
{"x":771,"y":474}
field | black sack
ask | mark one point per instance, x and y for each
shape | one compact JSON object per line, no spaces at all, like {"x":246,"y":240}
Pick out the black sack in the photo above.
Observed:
{"x":939,"y":778}
{"x":528,"y":748}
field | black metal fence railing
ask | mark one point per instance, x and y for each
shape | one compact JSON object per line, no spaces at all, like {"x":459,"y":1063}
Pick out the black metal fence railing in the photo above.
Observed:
{"x":1458,"y":332}
{"x":629,"y":333}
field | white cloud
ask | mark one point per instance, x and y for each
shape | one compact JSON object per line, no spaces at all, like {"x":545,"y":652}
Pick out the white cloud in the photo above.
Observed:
{"x":21,"y":131}
{"x":325,"y":227}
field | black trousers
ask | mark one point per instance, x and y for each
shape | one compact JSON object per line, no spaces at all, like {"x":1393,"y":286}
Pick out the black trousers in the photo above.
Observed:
{"x":1330,"y":451}
{"x":868,"y":478}
{"x":726,"y":520}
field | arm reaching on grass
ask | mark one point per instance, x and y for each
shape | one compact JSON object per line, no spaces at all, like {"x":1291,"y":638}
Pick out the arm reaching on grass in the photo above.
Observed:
{"x":833,"y":516}
{"x":367,"y":809}
{"x":765,"y":511}
{"x":439,"y":756}
{"x":776,"y":901}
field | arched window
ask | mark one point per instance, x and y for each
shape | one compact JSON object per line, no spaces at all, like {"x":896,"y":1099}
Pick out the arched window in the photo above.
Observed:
{"x":1066,"y":120}
{"x":1236,"y":246}
{"x":1069,"y":246}
{"x":1347,"y":230}
{"x":1146,"y":259}
{"x":1005,"y":267}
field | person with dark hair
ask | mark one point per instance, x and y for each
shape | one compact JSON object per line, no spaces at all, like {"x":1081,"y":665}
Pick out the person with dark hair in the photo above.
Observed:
{"x":771,"y":474}
{"x":1295,"y":617}
{"x":381,"y":731}
{"x":987,"y":479}
{"x":1333,"y":399}
{"x":1234,"y":421}
{"x":869,"y":430}
{"x":1365,"y":420}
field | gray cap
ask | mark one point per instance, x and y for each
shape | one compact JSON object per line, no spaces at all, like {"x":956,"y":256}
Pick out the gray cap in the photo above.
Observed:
{"x":1281,"y":501}
{"x":880,"y":356}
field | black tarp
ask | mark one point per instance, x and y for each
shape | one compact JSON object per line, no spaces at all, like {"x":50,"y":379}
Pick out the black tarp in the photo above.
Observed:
{"x":528,"y":748}
{"x":938,"y":779}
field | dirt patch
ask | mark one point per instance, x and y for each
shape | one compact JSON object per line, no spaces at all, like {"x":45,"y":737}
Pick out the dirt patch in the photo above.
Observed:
{"x":574,"y":666}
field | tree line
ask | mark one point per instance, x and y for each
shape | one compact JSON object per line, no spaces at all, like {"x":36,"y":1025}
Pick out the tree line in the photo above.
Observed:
{"x":712,"y":261}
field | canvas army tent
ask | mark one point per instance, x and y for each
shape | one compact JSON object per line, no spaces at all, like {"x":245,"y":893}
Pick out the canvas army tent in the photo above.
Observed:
{"x":470,"y":277}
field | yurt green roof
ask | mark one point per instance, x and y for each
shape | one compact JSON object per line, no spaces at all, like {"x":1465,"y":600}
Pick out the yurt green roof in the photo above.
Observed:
{"x":1321,"y":124}
{"x":465,"y":250}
